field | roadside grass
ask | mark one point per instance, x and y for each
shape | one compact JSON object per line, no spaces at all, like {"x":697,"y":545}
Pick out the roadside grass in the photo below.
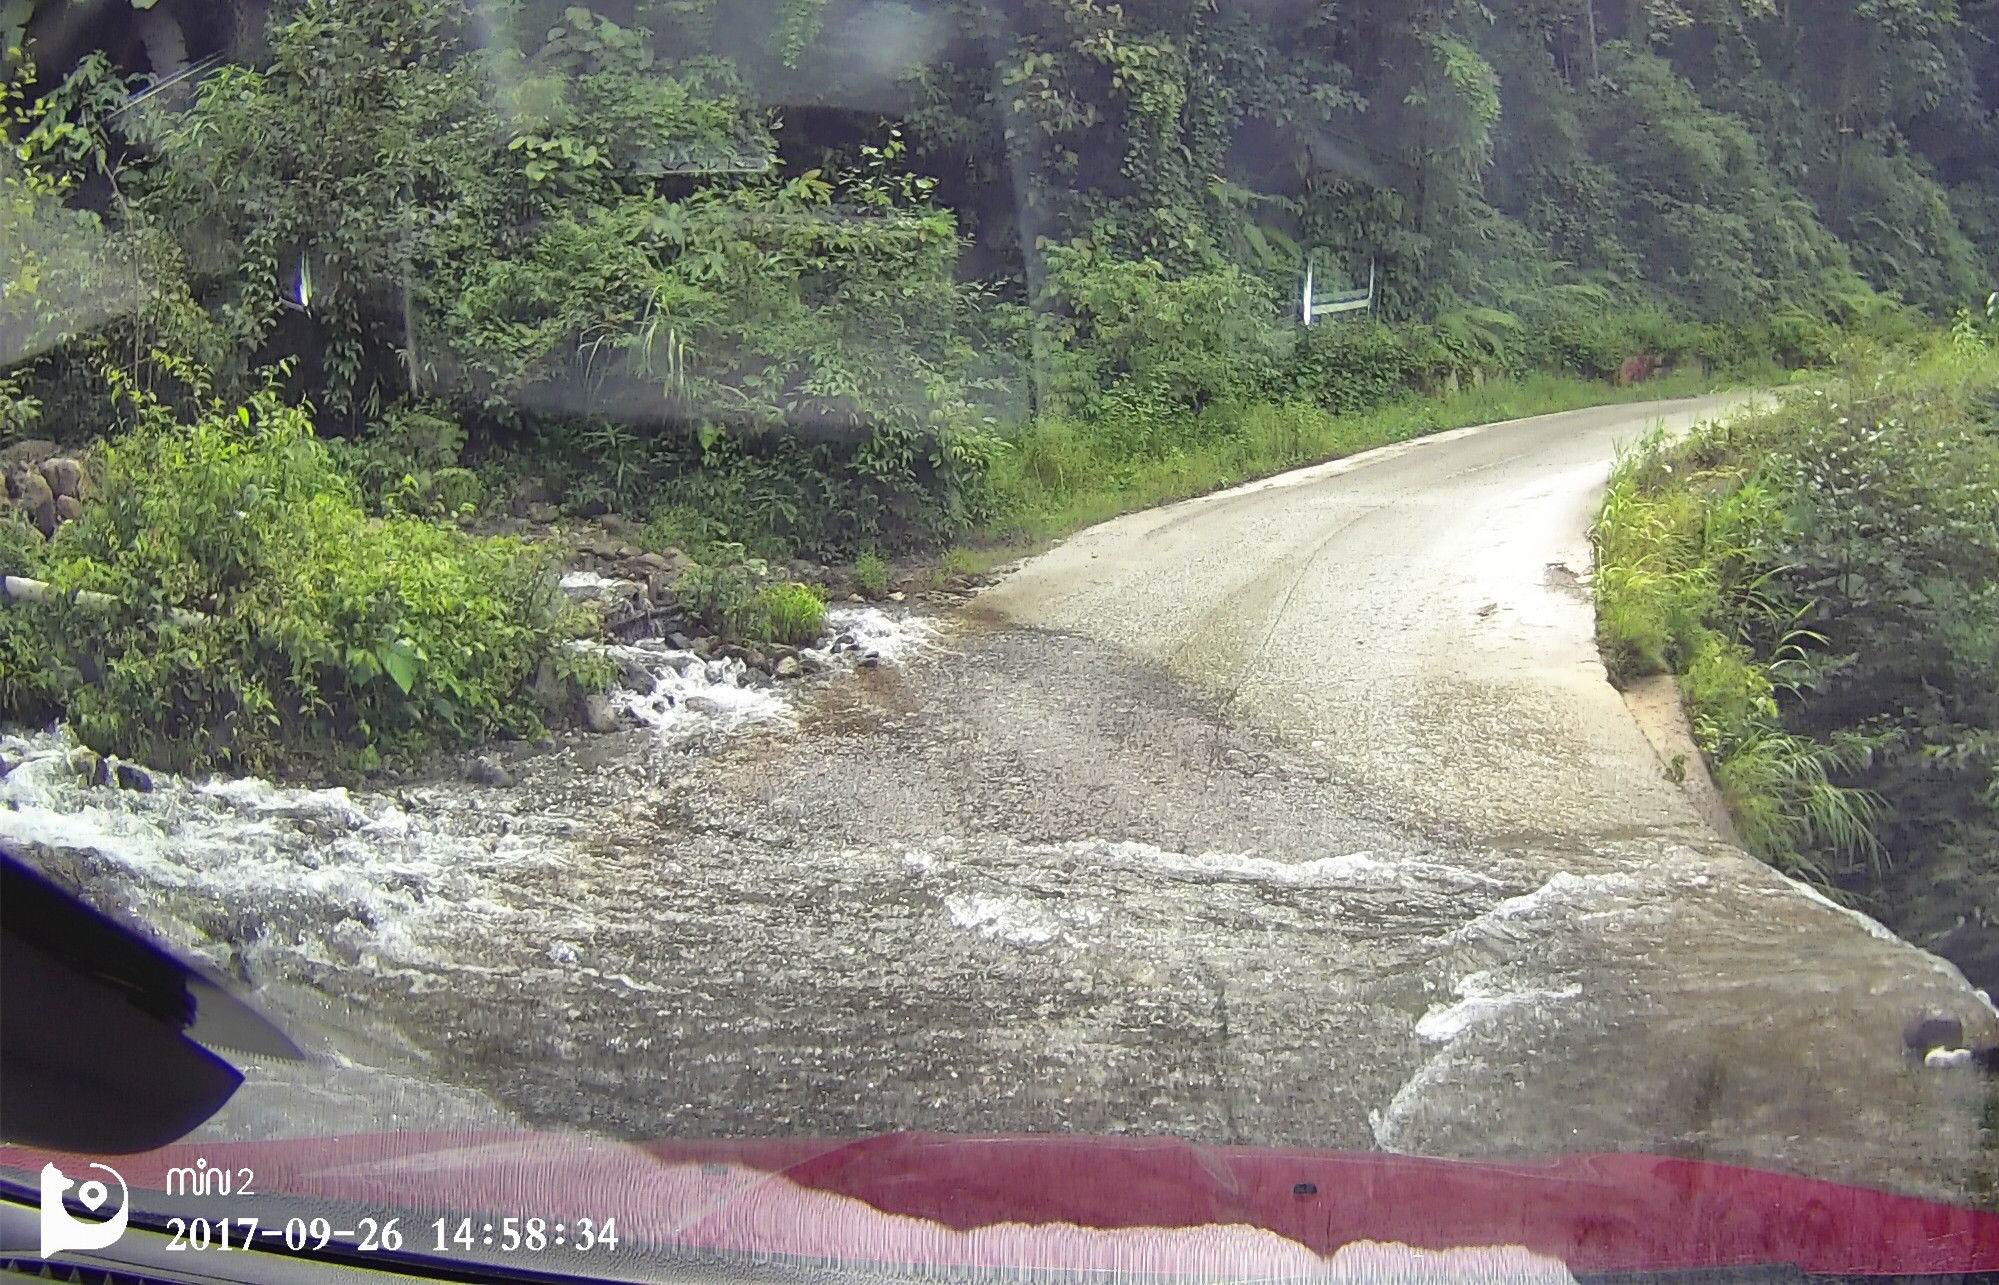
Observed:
{"x":1679,"y":590}
{"x":1058,"y":476}
{"x":1728,"y":557}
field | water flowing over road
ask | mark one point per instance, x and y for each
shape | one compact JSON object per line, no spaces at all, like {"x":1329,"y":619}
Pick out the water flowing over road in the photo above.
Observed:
{"x":1296,"y":815}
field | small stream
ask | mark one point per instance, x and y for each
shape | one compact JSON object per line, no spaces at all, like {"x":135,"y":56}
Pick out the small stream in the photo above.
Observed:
{"x":297,"y":891}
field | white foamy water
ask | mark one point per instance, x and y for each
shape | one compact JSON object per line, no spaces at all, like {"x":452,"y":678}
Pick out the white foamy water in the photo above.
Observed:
{"x":590,"y":583}
{"x":1491,"y":1010}
{"x":946,"y":858}
{"x":1021,"y":921}
{"x":1339,"y":871}
{"x":871,"y":630}
{"x":1484,"y":997}
{"x":691,"y":698}
{"x":242,"y":870}
{"x":1009,"y":919}
{"x":321,"y":874}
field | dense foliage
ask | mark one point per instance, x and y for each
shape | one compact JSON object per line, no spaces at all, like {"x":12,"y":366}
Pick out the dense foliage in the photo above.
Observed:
{"x":834,"y":276}
{"x":226,"y":602}
{"x":1825,"y":579}
{"x":806,"y":265}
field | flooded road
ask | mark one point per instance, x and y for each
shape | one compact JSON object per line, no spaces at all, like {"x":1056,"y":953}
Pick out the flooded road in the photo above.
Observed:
{"x":1066,"y":863}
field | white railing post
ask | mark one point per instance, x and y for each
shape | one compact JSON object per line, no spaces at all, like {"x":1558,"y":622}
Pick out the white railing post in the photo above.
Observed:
{"x":1312,"y":306}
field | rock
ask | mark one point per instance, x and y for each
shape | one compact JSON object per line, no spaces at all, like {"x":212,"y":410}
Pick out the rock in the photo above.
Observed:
{"x":854,"y":597}
{"x":898,"y":596}
{"x":68,"y":508}
{"x":5,"y":767}
{"x":1932,"y":1031}
{"x":89,"y":768}
{"x":485,"y":771}
{"x":64,"y":476}
{"x":31,"y":451}
{"x":38,"y":501}
{"x":654,"y":561}
{"x":548,"y":688}
{"x":131,"y":776}
{"x":598,"y":715}
{"x":872,"y":660}
{"x":542,"y":511}
{"x":592,"y":586}
{"x":786,"y":667}
{"x":632,"y":672}
{"x":811,"y":664}
{"x":680,"y":641}
{"x":529,"y":492}
{"x":681,"y":662}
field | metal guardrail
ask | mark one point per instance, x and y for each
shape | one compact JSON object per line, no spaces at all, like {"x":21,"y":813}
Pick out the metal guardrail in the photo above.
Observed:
{"x":1312,"y":305}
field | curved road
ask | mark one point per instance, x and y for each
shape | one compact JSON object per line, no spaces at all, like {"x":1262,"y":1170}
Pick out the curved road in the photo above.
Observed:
{"x":1296,"y":815}
{"x":1417,"y":615}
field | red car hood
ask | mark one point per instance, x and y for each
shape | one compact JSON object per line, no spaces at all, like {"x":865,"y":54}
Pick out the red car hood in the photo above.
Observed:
{"x":1136,"y":1205}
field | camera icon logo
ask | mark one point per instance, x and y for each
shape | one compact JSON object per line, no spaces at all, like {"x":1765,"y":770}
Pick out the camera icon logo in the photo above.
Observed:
{"x":62,"y":1230}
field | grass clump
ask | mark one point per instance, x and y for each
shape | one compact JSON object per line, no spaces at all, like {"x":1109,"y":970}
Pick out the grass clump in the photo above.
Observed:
{"x":732,"y":594}
{"x":789,"y":613}
{"x":871,"y":574}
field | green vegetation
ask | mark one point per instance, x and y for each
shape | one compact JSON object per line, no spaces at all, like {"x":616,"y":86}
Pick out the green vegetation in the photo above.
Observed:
{"x":1824,"y":579}
{"x":871,"y":574}
{"x":258,"y":618}
{"x":731,"y":594}
{"x":647,"y":256}
{"x":789,"y":613}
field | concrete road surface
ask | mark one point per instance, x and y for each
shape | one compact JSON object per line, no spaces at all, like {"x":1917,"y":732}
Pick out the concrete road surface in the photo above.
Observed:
{"x":1296,"y":815}
{"x":1416,"y":618}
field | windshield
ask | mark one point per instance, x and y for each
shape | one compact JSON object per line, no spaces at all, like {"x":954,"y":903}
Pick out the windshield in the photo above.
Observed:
{"x":1166,"y":637}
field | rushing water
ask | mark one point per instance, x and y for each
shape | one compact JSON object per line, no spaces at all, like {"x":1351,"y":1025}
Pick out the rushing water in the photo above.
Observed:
{"x":1004,"y":882}
{"x":261,"y":877}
